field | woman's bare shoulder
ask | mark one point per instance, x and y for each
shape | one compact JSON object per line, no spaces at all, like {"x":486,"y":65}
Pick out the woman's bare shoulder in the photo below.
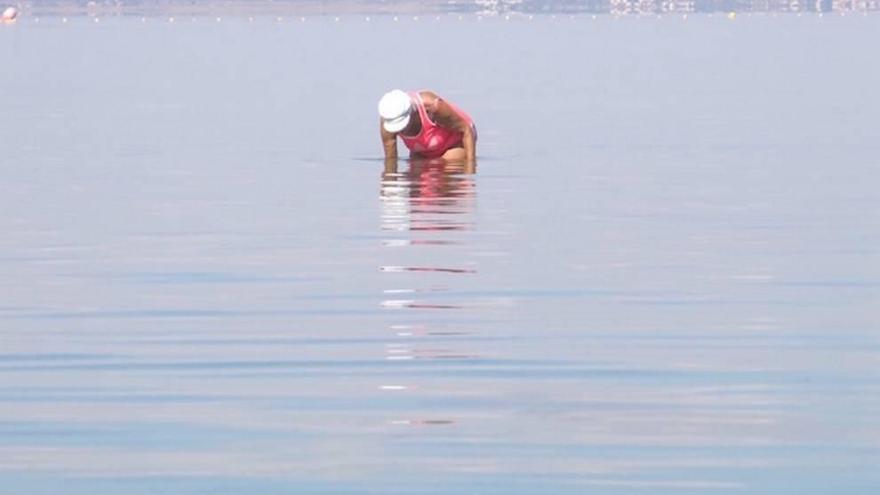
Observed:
{"x":429,"y":98}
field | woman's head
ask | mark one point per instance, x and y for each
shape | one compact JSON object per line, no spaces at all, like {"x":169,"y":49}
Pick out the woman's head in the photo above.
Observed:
{"x":395,"y":109}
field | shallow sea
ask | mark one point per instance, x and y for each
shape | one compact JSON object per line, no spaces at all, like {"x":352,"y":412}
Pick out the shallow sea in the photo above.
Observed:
{"x":664,"y":276}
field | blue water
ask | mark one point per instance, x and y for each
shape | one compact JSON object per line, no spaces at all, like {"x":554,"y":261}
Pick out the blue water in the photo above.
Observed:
{"x":663,"y":277}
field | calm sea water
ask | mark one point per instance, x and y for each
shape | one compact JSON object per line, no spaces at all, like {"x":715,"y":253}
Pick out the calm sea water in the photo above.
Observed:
{"x":663,"y":278}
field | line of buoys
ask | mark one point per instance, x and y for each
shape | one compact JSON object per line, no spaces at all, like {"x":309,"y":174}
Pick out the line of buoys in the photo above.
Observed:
{"x":11,"y":14}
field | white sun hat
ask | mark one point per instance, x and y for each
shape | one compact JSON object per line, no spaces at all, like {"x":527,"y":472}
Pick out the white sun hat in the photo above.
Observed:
{"x":9,"y":14}
{"x":394,"y":108}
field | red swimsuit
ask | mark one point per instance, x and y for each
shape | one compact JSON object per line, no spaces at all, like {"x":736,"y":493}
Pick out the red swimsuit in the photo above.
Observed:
{"x":433,"y":140}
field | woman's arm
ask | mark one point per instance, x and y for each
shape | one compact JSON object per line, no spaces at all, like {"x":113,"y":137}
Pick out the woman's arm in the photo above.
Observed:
{"x":442,"y":114}
{"x":389,"y":143}
{"x":469,"y":143}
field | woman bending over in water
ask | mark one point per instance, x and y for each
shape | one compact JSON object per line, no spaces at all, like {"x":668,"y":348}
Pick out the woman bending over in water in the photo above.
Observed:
{"x":428,"y":125}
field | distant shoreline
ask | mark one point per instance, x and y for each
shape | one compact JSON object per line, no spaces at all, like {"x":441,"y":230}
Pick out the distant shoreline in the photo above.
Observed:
{"x":236,"y":8}
{"x":407,"y":7}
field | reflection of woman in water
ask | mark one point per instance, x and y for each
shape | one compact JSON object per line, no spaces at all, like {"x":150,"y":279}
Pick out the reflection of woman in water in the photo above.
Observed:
{"x":428,"y":125}
{"x":429,"y":195}
{"x":431,"y":179}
